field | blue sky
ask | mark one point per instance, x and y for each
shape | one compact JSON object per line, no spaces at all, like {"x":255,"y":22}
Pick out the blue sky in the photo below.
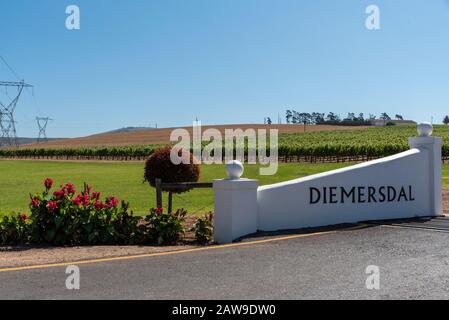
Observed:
{"x":136,"y":62}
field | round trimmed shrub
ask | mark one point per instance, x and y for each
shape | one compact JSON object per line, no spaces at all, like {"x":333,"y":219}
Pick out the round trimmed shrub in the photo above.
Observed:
{"x":160,"y":166}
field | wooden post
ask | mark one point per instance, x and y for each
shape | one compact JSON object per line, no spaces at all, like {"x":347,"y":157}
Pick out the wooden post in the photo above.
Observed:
{"x":158,"y":193}
{"x":170,"y":202}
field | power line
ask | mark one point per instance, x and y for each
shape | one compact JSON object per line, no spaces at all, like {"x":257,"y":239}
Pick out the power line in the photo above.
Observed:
{"x":19,"y":79}
{"x":10,"y":68}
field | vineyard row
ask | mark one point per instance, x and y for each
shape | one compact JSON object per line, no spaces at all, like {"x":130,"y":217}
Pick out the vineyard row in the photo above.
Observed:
{"x":286,"y":154}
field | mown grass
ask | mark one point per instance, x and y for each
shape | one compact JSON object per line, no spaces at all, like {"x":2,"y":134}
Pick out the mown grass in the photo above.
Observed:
{"x":123,"y":179}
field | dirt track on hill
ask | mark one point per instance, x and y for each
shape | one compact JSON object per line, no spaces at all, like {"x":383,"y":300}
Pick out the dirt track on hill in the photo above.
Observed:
{"x":162,"y":136}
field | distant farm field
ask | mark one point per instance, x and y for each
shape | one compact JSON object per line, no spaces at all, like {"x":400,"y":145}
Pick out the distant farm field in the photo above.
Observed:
{"x":162,"y":136}
{"x":122,"y":179}
{"x":345,"y":145}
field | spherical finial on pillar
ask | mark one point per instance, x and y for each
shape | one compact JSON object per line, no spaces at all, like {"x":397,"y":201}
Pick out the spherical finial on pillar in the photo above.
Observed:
{"x":234,"y":169}
{"x":425,"y":129}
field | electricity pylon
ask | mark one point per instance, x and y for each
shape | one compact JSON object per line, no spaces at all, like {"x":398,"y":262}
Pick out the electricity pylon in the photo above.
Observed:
{"x":8,"y":135}
{"x":42,"y":124}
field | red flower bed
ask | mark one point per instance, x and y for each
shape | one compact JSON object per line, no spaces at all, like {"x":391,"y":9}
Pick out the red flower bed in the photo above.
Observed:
{"x":67,"y":217}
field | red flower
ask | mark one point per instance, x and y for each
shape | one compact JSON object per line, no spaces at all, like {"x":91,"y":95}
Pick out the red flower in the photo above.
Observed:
{"x":111,"y":202}
{"x":159,"y":210}
{"x":95,"y":196}
{"x":59,"y":194}
{"x":52,"y":206}
{"x":69,"y":188}
{"x":34,"y":202}
{"x":82,"y":199}
{"x":98,"y":205}
{"x":76,"y":201}
{"x":48,"y":183}
{"x":22,"y":217}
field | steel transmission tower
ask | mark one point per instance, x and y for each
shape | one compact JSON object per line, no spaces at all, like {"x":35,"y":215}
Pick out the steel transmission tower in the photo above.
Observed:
{"x":8,"y":136}
{"x":42,"y":124}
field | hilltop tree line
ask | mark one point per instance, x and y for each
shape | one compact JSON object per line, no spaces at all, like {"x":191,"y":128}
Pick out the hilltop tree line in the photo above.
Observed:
{"x":305,"y":118}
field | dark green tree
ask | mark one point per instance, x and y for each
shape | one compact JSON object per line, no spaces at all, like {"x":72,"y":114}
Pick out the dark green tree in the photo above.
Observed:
{"x":288,"y":116}
{"x":295,"y":117}
{"x":317,"y":118}
{"x":332,"y":117}
{"x":446,"y":120}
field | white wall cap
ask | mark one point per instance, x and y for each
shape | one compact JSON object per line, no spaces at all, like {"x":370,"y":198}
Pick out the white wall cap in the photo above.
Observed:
{"x":425,"y":140}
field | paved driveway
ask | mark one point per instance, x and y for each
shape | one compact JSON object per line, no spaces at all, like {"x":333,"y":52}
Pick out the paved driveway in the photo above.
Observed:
{"x":413,"y":263}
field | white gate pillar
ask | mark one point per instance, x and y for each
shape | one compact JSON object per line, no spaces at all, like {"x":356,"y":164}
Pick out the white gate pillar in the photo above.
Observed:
{"x":432,"y":145}
{"x":235,"y":202}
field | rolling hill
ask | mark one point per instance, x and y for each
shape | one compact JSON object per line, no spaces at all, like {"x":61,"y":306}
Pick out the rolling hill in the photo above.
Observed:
{"x":160,"y":136}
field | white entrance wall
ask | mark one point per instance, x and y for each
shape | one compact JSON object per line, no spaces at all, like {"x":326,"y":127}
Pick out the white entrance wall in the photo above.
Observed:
{"x":405,"y":185}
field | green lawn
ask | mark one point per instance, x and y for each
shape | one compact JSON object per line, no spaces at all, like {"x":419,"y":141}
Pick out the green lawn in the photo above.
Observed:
{"x":124,"y":180}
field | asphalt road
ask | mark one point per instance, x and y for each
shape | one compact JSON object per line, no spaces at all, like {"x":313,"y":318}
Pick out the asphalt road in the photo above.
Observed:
{"x":413,"y":264}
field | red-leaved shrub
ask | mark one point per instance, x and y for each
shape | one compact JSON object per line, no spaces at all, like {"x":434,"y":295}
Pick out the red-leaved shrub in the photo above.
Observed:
{"x":160,"y":166}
